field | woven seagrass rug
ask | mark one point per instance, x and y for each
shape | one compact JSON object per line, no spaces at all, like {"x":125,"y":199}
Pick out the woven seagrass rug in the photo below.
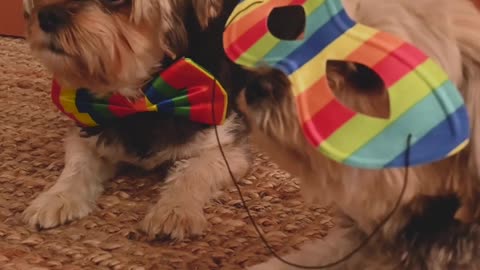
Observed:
{"x":31,"y":158}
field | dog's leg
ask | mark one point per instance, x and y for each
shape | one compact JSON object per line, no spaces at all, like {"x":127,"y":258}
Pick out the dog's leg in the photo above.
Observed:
{"x":317,"y":253}
{"x":192,"y":184}
{"x":74,"y":194}
{"x":334,"y":247}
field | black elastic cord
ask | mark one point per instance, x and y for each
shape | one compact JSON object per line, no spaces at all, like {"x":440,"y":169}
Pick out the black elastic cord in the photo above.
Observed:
{"x":252,"y":220}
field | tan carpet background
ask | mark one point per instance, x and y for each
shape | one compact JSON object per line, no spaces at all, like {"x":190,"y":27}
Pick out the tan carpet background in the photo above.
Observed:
{"x":31,"y":158}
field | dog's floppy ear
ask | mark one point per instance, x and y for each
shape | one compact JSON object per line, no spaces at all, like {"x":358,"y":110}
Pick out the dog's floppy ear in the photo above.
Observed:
{"x":207,"y":10}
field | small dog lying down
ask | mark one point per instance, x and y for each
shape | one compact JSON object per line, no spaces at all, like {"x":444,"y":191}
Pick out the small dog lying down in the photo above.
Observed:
{"x":434,"y":227}
{"x":115,"y":47}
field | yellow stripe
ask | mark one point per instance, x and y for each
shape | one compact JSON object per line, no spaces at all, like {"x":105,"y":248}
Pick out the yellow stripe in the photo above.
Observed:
{"x":459,"y":148}
{"x":403,"y":95}
{"x":234,"y":19}
{"x":257,"y":52}
{"x":150,"y":106}
{"x":343,"y":46}
{"x":268,"y":42}
{"x":310,"y":6}
{"x":67,"y":99}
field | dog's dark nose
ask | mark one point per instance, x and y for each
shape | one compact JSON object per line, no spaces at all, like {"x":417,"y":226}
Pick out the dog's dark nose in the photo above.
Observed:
{"x":52,"y":18}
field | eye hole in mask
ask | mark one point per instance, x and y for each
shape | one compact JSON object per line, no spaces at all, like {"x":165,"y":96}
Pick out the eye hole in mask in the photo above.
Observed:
{"x":287,"y":23}
{"x":359,"y":88}
{"x":355,"y":85}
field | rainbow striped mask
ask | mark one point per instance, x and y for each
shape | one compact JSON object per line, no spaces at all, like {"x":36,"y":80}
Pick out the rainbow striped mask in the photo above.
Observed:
{"x":424,"y":103}
{"x":184,"y":89}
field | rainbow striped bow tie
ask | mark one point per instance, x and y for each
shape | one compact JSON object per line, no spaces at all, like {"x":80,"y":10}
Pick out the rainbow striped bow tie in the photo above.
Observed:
{"x":183,"y":89}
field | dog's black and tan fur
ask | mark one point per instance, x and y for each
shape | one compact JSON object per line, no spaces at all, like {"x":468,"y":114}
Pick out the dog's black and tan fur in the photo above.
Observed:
{"x":114,"y":46}
{"x":138,"y":36}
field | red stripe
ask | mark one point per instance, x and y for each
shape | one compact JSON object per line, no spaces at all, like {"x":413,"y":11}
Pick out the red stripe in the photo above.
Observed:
{"x":202,"y":113}
{"x":140,"y":105}
{"x":200,"y":99}
{"x":55,"y":95}
{"x":391,"y":69}
{"x":246,"y":22}
{"x":183,"y":75}
{"x":330,"y":118}
{"x":308,"y":131}
{"x":120,"y":106}
{"x":199,"y":86}
{"x":203,"y":94}
{"x":399,"y":63}
{"x":247,"y":40}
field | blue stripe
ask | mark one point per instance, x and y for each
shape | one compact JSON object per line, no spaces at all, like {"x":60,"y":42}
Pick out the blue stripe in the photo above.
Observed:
{"x":323,"y":37}
{"x":167,"y":106}
{"x":164,"y":103}
{"x":85,"y":103}
{"x":439,"y":142}
{"x":318,"y":18}
{"x":418,"y":120}
{"x":152,"y":94}
{"x":182,"y":98}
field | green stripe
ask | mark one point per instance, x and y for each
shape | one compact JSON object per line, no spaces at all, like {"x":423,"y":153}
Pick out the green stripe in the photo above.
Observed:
{"x":181,"y":99}
{"x":270,"y":48}
{"x":419,"y":120}
{"x":182,"y":111}
{"x":403,"y":95}
{"x":164,"y":88}
{"x":102,"y":110}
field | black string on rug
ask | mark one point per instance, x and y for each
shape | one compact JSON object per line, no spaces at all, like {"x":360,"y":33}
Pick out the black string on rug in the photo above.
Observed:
{"x":343,"y":259}
{"x":265,"y":241}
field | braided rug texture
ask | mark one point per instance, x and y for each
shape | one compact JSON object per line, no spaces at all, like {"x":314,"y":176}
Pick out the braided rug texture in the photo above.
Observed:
{"x":31,"y":158}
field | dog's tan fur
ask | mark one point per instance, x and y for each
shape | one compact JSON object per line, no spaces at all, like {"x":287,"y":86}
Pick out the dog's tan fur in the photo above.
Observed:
{"x":448,"y":32}
{"x":114,"y":48}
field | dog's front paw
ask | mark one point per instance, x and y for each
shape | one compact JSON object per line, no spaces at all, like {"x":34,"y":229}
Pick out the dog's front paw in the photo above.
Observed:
{"x":175,"y":220}
{"x":51,"y":209}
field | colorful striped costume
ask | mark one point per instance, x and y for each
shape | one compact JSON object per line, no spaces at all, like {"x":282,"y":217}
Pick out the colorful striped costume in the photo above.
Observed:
{"x":183,"y":89}
{"x":423,"y":101}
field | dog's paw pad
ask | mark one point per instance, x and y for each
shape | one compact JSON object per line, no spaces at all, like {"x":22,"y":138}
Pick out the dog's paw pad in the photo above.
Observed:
{"x":52,"y":209}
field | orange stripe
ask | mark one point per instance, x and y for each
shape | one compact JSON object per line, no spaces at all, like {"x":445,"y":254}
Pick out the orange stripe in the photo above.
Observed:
{"x":385,"y":43}
{"x":314,"y":99}
{"x":243,"y":24}
{"x":141,"y":105}
{"x":318,"y":96}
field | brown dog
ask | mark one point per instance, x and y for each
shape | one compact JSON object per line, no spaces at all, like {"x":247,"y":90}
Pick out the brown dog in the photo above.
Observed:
{"x":423,"y":234}
{"x":114,"y":47}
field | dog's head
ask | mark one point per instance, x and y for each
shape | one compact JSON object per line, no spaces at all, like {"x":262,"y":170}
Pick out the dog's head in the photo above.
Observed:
{"x":269,"y":105}
{"x":110,"y":45}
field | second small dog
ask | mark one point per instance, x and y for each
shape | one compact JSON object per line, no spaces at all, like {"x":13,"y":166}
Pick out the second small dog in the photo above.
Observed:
{"x":431,"y":229}
{"x":115,"y":47}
